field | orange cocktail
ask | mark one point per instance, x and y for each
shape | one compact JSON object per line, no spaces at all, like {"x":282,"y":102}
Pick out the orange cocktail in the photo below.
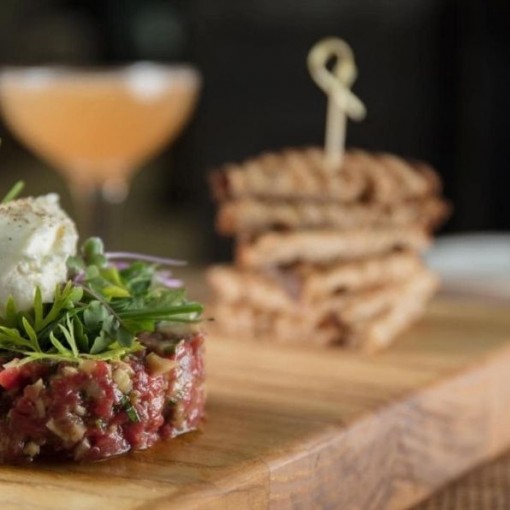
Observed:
{"x":97,"y":126}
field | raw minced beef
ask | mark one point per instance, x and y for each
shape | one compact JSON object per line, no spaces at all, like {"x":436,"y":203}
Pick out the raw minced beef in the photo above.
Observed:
{"x":97,"y":409}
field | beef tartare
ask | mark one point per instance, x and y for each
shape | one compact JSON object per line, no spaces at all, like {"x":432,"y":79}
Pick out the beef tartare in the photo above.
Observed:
{"x":97,"y":409}
{"x":100,"y":357}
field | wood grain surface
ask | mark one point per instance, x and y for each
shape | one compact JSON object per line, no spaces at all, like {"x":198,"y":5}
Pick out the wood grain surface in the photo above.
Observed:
{"x":306,"y":429}
{"x":484,"y":488}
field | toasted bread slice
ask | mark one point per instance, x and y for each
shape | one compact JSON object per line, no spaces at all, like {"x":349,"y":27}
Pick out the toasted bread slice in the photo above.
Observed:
{"x":366,"y":320}
{"x":305,"y":174}
{"x":250,"y":217}
{"x":304,"y":284}
{"x":327,"y":246}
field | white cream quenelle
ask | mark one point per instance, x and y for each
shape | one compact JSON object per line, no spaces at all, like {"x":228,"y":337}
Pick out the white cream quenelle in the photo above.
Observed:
{"x":36,"y":238}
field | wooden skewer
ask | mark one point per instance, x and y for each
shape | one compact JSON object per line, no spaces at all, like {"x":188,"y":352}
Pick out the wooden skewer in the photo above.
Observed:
{"x":336,"y":83}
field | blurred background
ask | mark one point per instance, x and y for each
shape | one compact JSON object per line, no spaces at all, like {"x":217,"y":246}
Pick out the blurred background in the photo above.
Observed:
{"x":434,"y":74}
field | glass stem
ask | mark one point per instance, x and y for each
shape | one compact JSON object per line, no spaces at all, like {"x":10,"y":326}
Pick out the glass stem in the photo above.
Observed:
{"x":99,"y":209}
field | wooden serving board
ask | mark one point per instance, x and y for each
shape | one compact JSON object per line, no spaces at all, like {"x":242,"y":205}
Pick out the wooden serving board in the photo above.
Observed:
{"x":313,"y":429}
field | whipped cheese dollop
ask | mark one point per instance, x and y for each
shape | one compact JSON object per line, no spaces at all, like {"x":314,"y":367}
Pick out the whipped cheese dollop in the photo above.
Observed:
{"x":36,"y":238}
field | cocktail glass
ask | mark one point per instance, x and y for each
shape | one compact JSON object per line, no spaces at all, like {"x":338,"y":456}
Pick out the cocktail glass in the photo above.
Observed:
{"x":96,"y":126}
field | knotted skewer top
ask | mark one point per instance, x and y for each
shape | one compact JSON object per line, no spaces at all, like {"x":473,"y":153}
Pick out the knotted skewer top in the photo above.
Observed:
{"x":336,"y":83}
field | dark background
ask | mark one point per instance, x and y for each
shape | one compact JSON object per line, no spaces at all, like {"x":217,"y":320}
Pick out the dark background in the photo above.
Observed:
{"x":434,"y":74}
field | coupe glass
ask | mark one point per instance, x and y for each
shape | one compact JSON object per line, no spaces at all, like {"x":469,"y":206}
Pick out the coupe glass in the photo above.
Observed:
{"x":98,"y":125}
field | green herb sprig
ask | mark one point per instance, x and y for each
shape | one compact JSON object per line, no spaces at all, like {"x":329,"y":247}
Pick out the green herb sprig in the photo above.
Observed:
{"x":97,"y":314}
{"x":13,"y":192}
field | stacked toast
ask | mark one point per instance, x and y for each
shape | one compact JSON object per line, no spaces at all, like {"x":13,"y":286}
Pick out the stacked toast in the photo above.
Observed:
{"x":325,"y":256}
